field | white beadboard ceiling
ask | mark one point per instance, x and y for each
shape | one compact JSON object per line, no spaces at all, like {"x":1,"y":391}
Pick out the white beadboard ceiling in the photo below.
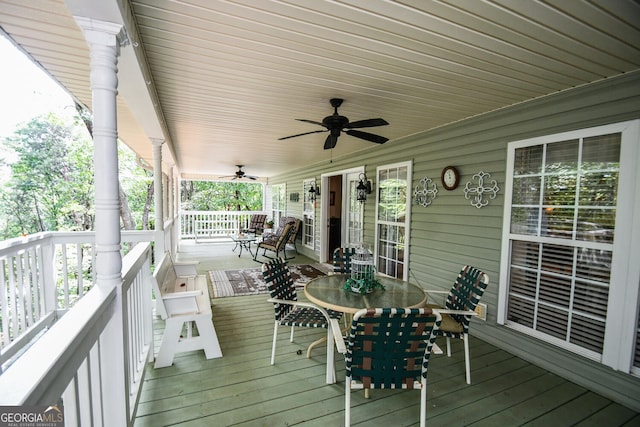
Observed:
{"x":228,"y":78}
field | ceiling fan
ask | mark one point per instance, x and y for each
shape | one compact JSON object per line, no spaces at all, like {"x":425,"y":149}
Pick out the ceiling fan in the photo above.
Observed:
{"x":240,"y":174}
{"x":335,"y":124}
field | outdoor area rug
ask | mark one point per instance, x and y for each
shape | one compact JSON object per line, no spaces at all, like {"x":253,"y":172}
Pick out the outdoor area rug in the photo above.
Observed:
{"x":249,"y":281}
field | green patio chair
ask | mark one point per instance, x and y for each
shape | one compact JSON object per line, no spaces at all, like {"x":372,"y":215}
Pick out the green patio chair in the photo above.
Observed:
{"x":459,"y":307}
{"x":389,"y":348}
{"x":342,"y":260}
{"x":291,"y":312}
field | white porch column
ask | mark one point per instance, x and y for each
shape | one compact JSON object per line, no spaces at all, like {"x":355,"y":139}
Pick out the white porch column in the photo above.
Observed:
{"x":175,"y":209}
{"x":172,"y":245}
{"x":158,"y":196}
{"x":103,"y":39}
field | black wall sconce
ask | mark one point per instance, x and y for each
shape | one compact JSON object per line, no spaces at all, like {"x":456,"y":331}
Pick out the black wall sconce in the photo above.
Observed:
{"x":314,"y":192}
{"x":363,"y":188}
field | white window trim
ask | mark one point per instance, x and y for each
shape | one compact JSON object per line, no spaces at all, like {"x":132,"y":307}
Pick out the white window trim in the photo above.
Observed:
{"x":407,"y":219}
{"x":275,"y":188}
{"x":620,"y":329}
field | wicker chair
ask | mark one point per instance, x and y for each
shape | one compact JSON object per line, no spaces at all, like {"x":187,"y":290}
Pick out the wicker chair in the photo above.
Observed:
{"x":342,"y":260}
{"x":290,"y":312}
{"x":389,"y":348}
{"x":459,"y":307}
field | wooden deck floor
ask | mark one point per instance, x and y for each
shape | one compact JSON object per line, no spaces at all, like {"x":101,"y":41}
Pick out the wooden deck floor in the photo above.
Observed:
{"x":242,"y":388}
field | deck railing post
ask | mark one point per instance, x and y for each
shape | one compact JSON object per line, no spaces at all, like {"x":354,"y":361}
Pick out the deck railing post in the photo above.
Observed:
{"x":49,"y":275}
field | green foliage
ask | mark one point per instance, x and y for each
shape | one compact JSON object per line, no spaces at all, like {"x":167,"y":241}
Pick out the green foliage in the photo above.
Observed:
{"x":137,"y":184}
{"x":51,"y":182}
{"x":221,"y":196}
{"x":364,"y":285}
{"x":393,"y":200}
{"x":48,"y":179}
{"x":48,"y":182}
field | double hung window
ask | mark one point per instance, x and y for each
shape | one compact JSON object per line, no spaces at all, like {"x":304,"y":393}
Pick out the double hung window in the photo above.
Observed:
{"x":566,"y":246}
{"x":393,"y":219}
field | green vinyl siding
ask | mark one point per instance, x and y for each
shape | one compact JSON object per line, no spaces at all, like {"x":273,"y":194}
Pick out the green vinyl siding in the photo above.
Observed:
{"x":450,"y":232}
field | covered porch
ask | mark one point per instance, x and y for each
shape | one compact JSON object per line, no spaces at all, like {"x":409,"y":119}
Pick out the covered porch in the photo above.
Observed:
{"x":242,"y":388}
{"x":168,"y":98}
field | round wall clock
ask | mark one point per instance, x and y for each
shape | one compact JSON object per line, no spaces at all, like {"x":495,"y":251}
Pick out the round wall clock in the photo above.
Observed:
{"x":450,"y":177}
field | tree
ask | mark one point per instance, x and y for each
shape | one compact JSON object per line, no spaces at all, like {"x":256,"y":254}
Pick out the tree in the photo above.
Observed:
{"x":136,"y":191}
{"x":221,"y":196}
{"x":51,"y":181}
{"x":134,"y":175}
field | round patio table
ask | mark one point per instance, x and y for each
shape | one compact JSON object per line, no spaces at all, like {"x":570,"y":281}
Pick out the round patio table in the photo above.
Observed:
{"x":327,"y":292}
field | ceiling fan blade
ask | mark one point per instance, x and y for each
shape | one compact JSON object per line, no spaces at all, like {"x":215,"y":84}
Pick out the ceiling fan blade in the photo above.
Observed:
{"x":253,"y":178}
{"x":300,"y":134}
{"x":313,"y":122}
{"x":330,"y":142}
{"x":367,"y":123}
{"x":367,"y":136}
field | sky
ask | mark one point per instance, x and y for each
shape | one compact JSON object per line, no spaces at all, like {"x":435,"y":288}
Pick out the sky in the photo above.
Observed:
{"x":26,"y":91}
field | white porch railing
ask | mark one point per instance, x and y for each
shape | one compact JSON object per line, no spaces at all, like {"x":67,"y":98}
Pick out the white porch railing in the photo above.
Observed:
{"x":200,"y":225}
{"x":76,"y":363}
{"x":58,"y":331}
{"x":41,"y":276}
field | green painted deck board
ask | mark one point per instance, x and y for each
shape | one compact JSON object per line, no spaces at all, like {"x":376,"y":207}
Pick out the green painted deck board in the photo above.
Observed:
{"x":242,"y":388}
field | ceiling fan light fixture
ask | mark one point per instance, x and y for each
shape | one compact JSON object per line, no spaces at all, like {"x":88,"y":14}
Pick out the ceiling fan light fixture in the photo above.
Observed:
{"x":240,"y":174}
{"x":336,"y":124}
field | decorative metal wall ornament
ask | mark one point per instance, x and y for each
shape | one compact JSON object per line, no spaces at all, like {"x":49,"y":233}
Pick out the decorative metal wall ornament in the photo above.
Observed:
{"x":425,"y":192}
{"x":478,"y":192}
